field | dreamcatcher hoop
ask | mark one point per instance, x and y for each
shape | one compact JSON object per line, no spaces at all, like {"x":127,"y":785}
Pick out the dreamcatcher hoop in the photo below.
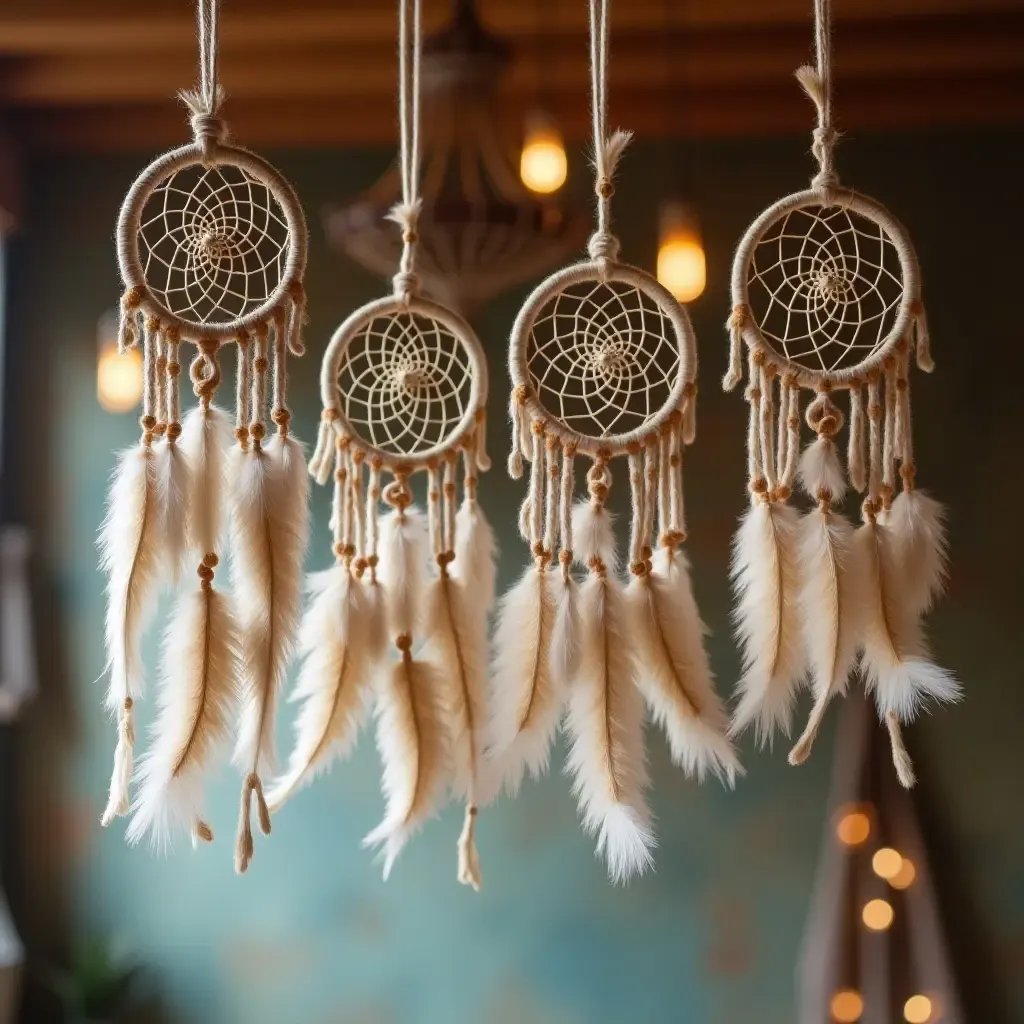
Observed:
{"x":412,"y":340}
{"x":820,"y":205}
{"x":603,"y":272}
{"x":158,"y":176}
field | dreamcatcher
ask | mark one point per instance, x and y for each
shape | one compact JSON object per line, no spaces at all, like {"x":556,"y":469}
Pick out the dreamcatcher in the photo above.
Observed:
{"x":603,"y":364}
{"x":211,"y":243}
{"x":827,"y":296}
{"x":404,"y":385}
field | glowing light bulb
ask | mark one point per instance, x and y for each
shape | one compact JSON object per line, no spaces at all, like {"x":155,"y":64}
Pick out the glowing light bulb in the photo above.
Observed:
{"x":877,"y":915}
{"x":918,"y":1010}
{"x":543,"y":165}
{"x":846,"y":1006}
{"x":886,"y":863}
{"x":853,"y":826}
{"x":681,"y":265}
{"x":118,"y":375}
{"x":904,"y":878}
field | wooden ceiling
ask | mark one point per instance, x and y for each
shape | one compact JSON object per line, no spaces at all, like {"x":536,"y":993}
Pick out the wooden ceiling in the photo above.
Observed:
{"x":103,"y":74}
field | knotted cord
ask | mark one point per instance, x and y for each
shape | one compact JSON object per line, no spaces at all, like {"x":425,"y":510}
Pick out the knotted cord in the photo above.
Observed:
{"x":817,"y":83}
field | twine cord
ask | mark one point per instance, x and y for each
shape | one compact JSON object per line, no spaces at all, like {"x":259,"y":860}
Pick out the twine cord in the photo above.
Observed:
{"x":204,"y":101}
{"x":817,"y":83}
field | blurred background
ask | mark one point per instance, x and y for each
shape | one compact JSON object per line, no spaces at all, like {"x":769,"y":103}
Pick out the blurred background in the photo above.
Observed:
{"x":732,"y":928}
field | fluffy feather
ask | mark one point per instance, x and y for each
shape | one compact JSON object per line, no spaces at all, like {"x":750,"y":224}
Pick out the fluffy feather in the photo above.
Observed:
{"x":831,"y":606}
{"x":205,"y":440}
{"x":605,"y":723}
{"x":820,"y":469}
{"x":896,"y":662}
{"x":411,"y":743}
{"x":526,"y":701}
{"x":918,"y":526}
{"x":335,"y":681}
{"x":565,"y":630}
{"x":475,"y":562}
{"x":200,"y":662}
{"x":767,"y":618}
{"x":170,"y":471}
{"x":270,"y":527}
{"x":403,"y":540}
{"x":672,"y":671}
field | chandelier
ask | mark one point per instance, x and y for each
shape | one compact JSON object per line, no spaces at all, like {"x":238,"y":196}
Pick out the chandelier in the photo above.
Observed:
{"x":481,"y":231}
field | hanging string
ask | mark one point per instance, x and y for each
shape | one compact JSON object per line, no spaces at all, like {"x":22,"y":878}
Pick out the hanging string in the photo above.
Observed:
{"x":243,"y":386}
{"x":149,"y":393}
{"x":904,"y":443}
{"x":565,"y":507}
{"x":889,"y":435}
{"x":448,"y":520}
{"x":603,"y":246}
{"x":781,"y":441}
{"x":651,"y":482}
{"x":874,"y":439}
{"x":855,"y":453}
{"x":204,"y":101}
{"x":279,"y":411}
{"x":373,"y":515}
{"x":755,"y":465}
{"x":434,"y":509}
{"x":817,"y":83}
{"x":767,"y":439}
{"x":793,"y":442}
{"x":358,"y":507}
{"x":257,"y":407}
{"x":536,"y":508}
{"x":638,"y":496}
{"x":406,"y":213}
{"x":341,"y":514}
{"x":173,"y":394}
{"x":161,"y":377}
{"x":552,"y":494}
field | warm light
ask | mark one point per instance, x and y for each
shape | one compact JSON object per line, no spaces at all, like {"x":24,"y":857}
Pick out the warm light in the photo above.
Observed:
{"x":118,"y":378}
{"x":543,"y":165}
{"x":904,"y":878}
{"x":886,"y":863}
{"x":853,"y":826}
{"x":846,"y":1006}
{"x":918,"y":1010}
{"x":877,"y":915}
{"x":681,"y":266}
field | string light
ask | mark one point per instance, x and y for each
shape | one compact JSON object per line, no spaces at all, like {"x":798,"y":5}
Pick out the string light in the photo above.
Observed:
{"x":681,"y":265}
{"x":846,"y":1006}
{"x":853,"y":826}
{"x":543,"y":165}
{"x":118,"y":375}
{"x":877,"y":915}
{"x":918,"y":1010}
{"x":904,"y":878}
{"x":886,"y":863}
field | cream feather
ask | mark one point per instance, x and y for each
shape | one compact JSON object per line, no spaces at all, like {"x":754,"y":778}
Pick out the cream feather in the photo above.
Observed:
{"x":410,"y":735}
{"x":831,"y":606}
{"x":205,"y":441}
{"x":820,"y":469}
{"x":475,"y":563}
{"x":897,"y":666}
{"x":766,"y":578}
{"x":270,"y":528}
{"x":130,"y":556}
{"x":917,"y":522}
{"x":171,"y":478}
{"x":200,"y":662}
{"x":672,"y":671}
{"x":605,"y":720}
{"x":335,"y":683}
{"x":565,"y":630}
{"x":526,"y":700}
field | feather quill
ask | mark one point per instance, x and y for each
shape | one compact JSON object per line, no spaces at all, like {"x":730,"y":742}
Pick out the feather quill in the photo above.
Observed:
{"x":767,"y":618}
{"x":410,"y":734}
{"x":335,"y":681}
{"x":130,"y":557}
{"x":672,"y":671}
{"x":605,"y":719}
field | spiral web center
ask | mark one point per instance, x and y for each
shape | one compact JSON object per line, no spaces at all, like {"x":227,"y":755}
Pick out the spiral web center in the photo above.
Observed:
{"x":602,"y":358}
{"x":825,"y":286}
{"x":213,"y":243}
{"x":405,"y":382}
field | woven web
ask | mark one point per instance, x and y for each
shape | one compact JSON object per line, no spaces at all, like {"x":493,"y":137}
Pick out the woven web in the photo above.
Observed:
{"x":602,"y":358}
{"x":824,"y":286}
{"x":213,"y":243}
{"x":405,"y":381}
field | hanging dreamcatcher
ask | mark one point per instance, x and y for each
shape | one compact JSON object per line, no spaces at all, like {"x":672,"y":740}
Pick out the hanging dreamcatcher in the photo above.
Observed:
{"x":603,"y":364}
{"x":827,"y":296}
{"x":211,"y":243}
{"x":404,"y":384}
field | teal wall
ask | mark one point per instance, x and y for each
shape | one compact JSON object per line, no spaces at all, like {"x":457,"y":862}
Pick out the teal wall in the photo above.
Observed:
{"x":312,"y":935}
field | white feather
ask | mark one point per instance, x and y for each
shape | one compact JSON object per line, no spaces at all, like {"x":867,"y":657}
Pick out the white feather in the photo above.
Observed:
{"x":526,"y":702}
{"x":565,"y":630}
{"x":270,"y":528}
{"x":831,"y":605}
{"x":200,"y":662}
{"x":205,"y":441}
{"x":335,"y":682}
{"x":605,"y":723}
{"x":672,"y":670}
{"x":896,"y":662}
{"x":593,"y":535}
{"x":403,"y":539}
{"x":820,"y":470}
{"x":171,"y":479}
{"x":475,"y":562}
{"x":918,"y":526}
{"x":766,"y":578}
{"x":129,"y":554}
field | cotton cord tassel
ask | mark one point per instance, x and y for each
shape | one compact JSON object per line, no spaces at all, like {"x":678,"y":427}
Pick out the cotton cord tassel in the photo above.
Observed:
{"x":200,"y":655}
{"x":269,"y":532}
{"x":734,"y":326}
{"x":130,"y":555}
{"x":410,"y":734}
{"x":605,"y":720}
{"x":832,"y":594}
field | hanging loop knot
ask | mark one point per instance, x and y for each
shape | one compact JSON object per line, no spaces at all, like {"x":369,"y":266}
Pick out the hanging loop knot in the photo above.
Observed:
{"x":406,"y":285}
{"x":209,"y":131}
{"x":824,"y":417}
{"x":205,"y":370}
{"x":397,"y":493}
{"x":599,"y":479}
{"x":603,"y":248}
